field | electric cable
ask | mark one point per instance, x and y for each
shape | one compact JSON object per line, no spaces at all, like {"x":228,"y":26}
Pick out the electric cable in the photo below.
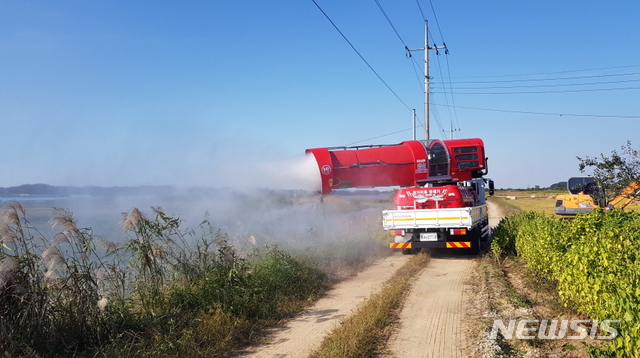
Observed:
{"x":543,"y":92}
{"x":550,"y":85}
{"x":435,"y":17}
{"x":421,"y":12}
{"x":556,"y":72}
{"x":552,"y":79}
{"x":450,"y":93}
{"x":380,"y":136}
{"x":384,"y":13}
{"x":452,"y":97}
{"x":360,"y":55}
{"x":550,"y":113}
{"x":390,"y":23}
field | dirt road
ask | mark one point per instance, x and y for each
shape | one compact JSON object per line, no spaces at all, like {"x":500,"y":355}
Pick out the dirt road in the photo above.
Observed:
{"x":495,"y":214}
{"x":432,"y":320}
{"x":300,"y":336}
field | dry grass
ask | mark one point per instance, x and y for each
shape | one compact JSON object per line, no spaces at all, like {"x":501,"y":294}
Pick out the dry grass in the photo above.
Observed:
{"x":540,"y":201}
{"x":364,"y":332}
{"x":508,"y":290}
{"x":506,"y":208}
{"x":540,"y":204}
{"x":525,"y":200}
{"x":635,"y":206}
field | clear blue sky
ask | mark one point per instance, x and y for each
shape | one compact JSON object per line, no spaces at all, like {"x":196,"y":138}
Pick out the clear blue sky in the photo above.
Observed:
{"x":231,"y":92}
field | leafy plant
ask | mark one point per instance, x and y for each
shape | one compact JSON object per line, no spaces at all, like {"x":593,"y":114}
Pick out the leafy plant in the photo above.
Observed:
{"x":613,"y":173}
{"x":595,"y":262}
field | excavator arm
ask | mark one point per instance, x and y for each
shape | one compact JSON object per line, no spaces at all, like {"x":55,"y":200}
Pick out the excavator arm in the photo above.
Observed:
{"x":627,"y":196}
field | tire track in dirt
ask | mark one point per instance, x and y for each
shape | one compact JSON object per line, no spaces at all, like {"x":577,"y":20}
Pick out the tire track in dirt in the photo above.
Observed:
{"x":495,"y":214}
{"x":303,"y":334}
{"x":431,"y":321}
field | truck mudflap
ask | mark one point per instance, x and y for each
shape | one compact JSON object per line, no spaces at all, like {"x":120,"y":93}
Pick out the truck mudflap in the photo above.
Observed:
{"x":431,"y":245}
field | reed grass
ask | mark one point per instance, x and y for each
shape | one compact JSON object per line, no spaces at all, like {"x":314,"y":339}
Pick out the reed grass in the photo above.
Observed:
{"x":166,"y":291}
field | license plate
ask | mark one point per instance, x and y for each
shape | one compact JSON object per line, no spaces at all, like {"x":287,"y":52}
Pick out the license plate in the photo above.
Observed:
{"x":428,"y":236}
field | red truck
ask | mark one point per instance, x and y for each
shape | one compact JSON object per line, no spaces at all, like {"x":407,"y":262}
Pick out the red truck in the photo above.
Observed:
{"x":441,"y":202}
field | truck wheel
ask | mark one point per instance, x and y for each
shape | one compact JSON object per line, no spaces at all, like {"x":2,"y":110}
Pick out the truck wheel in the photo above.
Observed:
{"x":409,"y":251}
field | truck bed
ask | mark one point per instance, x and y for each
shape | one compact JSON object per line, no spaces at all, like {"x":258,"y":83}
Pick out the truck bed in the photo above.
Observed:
{"x":467,"y":217}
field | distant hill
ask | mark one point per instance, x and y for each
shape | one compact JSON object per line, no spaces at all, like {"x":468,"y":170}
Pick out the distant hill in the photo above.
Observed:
{"x":63,"y":191}
{"x":559,"y":186}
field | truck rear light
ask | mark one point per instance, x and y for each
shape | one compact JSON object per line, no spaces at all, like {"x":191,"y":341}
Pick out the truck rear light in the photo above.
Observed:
{"x":458,"y":231}
{"x":396,"y":232}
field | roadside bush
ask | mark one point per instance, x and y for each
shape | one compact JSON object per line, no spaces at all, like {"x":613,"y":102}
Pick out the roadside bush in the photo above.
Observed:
{"x":595,"y":261}
{"x":504,"y":237}
{"x":541,"y":240}
{"x":600,"y":275}
{"x":275,"y":274}
{"x":259,"y":289}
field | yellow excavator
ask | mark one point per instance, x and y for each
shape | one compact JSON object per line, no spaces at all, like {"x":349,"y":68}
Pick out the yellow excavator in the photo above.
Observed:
{"x":579,"y":199}
{"x":581,"y":193}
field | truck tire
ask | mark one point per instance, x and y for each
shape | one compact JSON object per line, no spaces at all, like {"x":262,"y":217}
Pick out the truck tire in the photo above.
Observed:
{"x":409,"y":251}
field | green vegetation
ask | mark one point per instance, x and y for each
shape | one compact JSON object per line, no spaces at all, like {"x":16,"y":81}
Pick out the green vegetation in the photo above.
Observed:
{"x":613,"y":173}
{"x":167,"y":291}
{"x":366,"y":330}
{"x":593,"y":260}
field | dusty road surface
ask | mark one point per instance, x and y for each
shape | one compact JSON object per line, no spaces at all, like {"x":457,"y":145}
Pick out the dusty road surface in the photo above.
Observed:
{"x":495,"y":214}
{"x":432,"y":320}
{"x":300,"y":336}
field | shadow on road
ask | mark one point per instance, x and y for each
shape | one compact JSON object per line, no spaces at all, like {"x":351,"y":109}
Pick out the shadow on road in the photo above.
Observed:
{"x":451,"y":254}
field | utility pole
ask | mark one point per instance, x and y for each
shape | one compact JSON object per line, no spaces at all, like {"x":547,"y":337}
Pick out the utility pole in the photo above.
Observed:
{"x":451,"y":130}
{"x":413,"y":112}
{"x":426,"y":49}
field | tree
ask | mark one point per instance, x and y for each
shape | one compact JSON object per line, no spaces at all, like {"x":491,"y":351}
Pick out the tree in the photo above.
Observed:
{"x":561,"y":185}
{"x":615,"y":172}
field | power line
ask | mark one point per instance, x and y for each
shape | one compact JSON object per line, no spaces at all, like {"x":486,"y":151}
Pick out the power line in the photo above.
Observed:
{"x":455,"y":112}
{"x":390,"y":23}
{"x":380,"y":136}
{"x":415,"y":64}
{"x":419,"y":74}
{"x":549,"y":85}
{"x":563,"y":91}
{"x":421,"y":12}
{"x":436,"y":117}
{"x":455,"y":116}
{"x":361,"y":57}
{"x":435,"y":17}
{"x":446,"y":97}
{"x":553,"y":79}
{"x":551,"y":114}
{"x":555,"y":73}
